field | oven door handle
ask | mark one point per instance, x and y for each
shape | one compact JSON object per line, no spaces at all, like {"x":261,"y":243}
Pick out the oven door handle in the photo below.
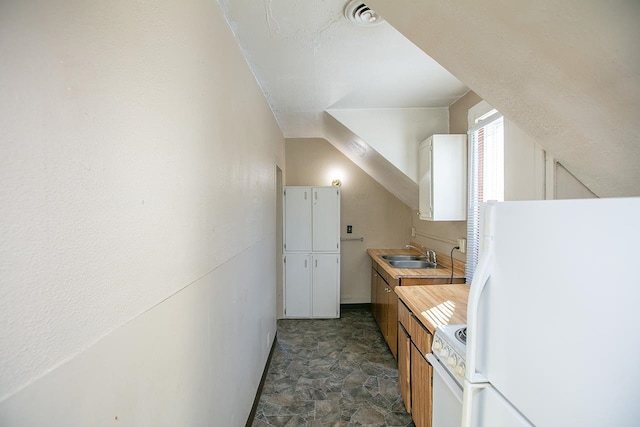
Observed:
{"x":446,"y":377}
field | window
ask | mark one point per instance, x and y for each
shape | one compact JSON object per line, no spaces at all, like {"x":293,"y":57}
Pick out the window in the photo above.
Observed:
{"x":486,"y":173}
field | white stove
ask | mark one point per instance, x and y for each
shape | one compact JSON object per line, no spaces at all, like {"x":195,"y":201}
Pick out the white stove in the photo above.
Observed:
{"x":447,"y":358}
{"x":450,"y":347}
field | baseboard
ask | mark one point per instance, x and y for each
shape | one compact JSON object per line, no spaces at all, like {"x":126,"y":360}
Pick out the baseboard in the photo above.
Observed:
{"x":359,"y":306}
{"x":256,"y":399}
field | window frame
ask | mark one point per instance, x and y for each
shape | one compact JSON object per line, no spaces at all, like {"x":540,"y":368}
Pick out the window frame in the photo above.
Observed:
{"x":480,"y":116}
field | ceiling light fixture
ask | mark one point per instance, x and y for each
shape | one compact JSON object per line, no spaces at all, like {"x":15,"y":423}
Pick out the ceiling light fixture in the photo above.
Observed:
{"x":359,"y":13}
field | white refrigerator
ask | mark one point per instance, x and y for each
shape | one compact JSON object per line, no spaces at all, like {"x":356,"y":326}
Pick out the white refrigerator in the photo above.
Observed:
{"x":553,"y":334}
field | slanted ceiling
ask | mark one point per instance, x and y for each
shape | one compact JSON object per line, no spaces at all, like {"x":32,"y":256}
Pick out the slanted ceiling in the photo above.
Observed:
{"x":567,"y":73}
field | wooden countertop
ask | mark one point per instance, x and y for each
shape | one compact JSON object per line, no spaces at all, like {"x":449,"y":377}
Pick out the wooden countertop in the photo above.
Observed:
{"x":396,"y":273}
{"x":436,"y":305}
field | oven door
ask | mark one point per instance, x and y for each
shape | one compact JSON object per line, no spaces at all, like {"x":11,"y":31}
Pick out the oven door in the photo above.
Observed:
{"x":447,"y":397}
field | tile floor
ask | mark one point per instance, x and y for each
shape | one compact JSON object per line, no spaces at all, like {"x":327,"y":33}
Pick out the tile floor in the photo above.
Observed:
{"x":331,"y":373}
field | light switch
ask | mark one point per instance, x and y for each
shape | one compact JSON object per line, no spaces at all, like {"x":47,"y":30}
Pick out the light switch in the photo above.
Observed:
{"x":349,"y":229}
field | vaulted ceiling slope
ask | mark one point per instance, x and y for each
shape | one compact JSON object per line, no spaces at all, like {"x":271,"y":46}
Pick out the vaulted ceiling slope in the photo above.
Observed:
{"x":567,"y":73}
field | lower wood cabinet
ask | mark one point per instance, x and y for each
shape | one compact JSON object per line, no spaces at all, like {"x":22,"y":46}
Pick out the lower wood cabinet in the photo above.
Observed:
{"x":414,"y":372}
{"x":384,"y":300}
{"x":392,"y":321}
{"x":404,"y":366}
{"x":420,"y":389}
{"x":384,"y":305}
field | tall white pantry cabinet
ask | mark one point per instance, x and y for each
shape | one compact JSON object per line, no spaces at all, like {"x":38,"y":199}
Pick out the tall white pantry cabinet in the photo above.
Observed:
{"x":311,"y":252}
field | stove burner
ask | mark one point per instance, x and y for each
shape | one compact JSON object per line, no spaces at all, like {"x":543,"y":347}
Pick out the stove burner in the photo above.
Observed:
{"x":461,"y":335}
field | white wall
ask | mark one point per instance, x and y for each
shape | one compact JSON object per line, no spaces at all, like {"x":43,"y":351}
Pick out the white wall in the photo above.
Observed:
{"x":524,"y":165}
{"x":395,"y":132}
{"x":138,"y":216}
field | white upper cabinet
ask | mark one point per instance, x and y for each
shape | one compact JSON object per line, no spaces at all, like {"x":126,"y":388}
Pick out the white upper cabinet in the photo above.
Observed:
{"x":442,"y":173}
{"x":326,"y":219}
{"x":297,"y":215}
{"x":311,"y":219}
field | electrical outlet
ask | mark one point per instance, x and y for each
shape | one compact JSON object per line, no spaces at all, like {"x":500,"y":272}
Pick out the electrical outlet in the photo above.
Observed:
{"x":413,"y":232}
{"x":462,"y":243}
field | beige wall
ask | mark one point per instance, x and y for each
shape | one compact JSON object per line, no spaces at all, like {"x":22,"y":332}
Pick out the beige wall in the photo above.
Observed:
{"x":458,"y":112}
{"x":138,"y":216}
{"x":567,"y":186}
{"x":375,"y":214}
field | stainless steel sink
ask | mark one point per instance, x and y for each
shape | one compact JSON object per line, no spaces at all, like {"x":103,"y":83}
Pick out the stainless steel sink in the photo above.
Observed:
{"x":402,"y":257}
{"x":412,"y":264}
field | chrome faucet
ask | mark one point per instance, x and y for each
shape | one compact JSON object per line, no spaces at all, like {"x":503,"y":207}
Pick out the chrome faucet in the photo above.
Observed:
{"x":433,"y":253}
{"x":422,"y":250}
{"x":427,"y":253}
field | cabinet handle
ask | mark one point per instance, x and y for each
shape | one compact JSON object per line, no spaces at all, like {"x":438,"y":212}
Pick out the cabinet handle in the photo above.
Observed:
{"x":316,"y":195}
{"x":316,"y":263}
{"x":305,"y":195}
{"x":305,"y":263}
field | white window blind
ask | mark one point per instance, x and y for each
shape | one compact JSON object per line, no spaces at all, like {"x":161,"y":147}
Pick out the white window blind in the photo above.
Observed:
{"x":486,"y":177}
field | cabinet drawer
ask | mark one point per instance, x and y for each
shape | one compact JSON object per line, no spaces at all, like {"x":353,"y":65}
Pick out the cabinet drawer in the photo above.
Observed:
{"x":420,"y":335}
{"x":404,"y":315}
{"x":386,"y":276}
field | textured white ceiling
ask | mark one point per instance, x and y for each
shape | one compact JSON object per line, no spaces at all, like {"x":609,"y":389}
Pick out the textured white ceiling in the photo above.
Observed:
{"x":307,"y":58}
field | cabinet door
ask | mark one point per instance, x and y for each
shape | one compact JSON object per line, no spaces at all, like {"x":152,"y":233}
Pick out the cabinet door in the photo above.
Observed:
{"x":381,"y":297}
{"x":326,"y":285}
{"x":326,"y":219}
{"x":404,"y":366}
{"x":449,"y":178}
{"x":442,"y":178}
{"x":392,"y":321}
{"x":297,"y":219}
{"x":420,"y":389}
{"x":374,"y":293}
{"x":297,"y":285}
